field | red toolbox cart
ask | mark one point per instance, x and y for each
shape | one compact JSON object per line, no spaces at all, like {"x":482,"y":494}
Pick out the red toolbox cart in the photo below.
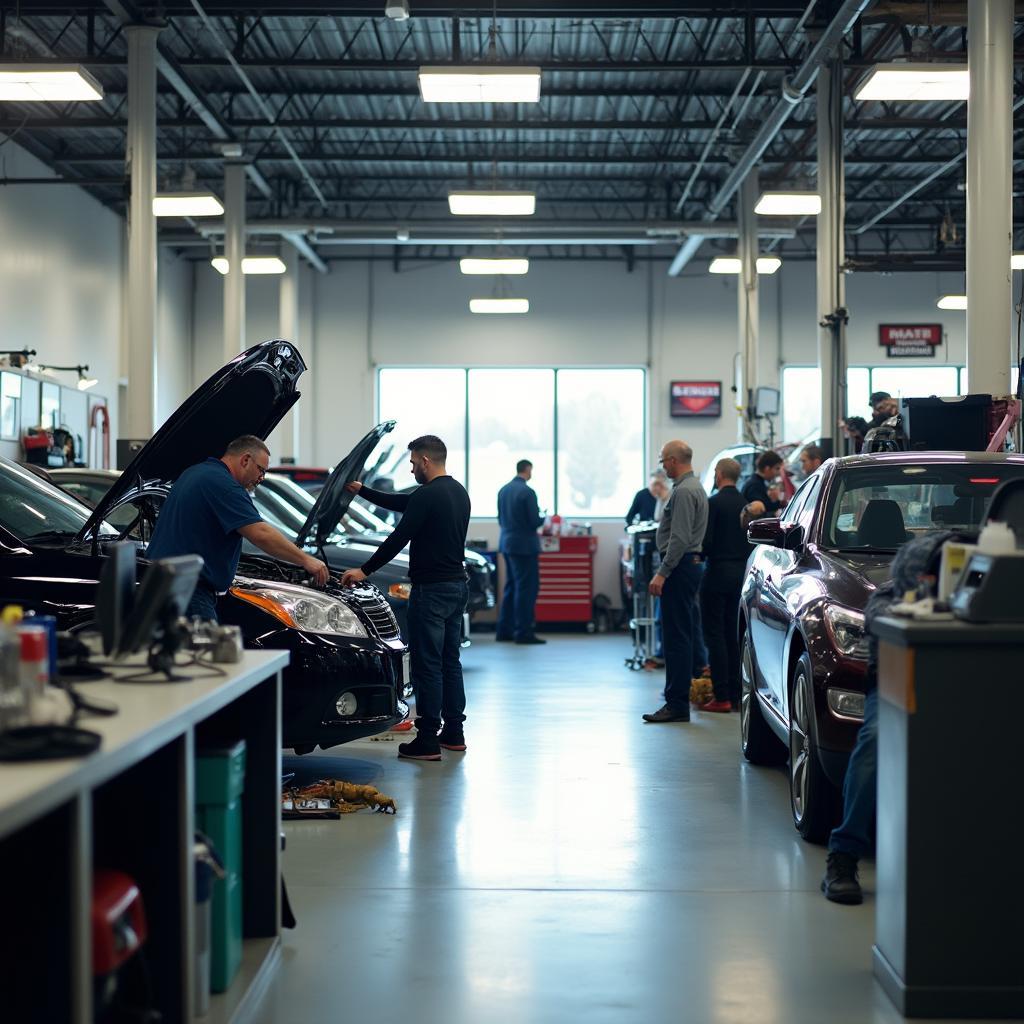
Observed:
{"x":567,"y":580}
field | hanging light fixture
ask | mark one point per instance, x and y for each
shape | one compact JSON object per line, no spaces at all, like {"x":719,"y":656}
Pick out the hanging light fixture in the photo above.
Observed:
{"x":499,"y":305}
{"x":84,"y":382}
{"x":733,"y":265}
{"x":915,"y":82}
{"x":46,"y":83}
{"x":494,"y":265}
{"x":187,"y":204}
{"x":792,"y":203}
{"x":952,"y":302}
{"x":252,"y":265}
{"x":479,"y":84}
{"x":492,"y":204}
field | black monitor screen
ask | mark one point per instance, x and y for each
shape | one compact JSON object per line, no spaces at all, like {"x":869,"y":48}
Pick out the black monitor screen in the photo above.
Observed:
{"x":163,"y":597}
{"x":115,"y":596}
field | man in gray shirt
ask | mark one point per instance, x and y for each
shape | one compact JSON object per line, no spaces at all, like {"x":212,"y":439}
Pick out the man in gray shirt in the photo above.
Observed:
{"x":680,"y":536}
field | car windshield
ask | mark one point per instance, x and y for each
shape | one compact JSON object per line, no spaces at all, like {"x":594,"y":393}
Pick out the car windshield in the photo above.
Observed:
{"x":34,"y":510}
{"x":880,"y":507}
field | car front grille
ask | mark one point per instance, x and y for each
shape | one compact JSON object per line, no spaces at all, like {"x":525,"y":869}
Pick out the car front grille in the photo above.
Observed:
{"x":377,"y":613}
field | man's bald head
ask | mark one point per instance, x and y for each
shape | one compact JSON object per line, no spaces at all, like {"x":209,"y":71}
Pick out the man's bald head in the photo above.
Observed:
{"x":677,"y":458}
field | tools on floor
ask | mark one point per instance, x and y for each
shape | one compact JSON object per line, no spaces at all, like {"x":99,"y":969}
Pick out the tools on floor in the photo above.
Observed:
{"x":331,"y":798}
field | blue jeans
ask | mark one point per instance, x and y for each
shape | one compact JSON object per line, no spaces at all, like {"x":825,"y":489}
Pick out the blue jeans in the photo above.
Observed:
{"x":700,"y":649}
{"x":203,"y":604}
{"x":679,"y":630}
{"x":519,"y":598}
{"x":435,"y":640}
{"x":855,"y":833}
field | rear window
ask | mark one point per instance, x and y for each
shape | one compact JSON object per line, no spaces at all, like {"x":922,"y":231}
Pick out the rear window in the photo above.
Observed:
{"x":882,"y":507}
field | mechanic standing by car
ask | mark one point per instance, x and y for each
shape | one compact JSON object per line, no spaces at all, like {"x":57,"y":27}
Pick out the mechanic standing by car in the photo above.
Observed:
{"x":726,"y":551}
{"x":679,"y":539}
{"x":519,"y":516}
{"x":756,"y":488}
{"x":434,"y":523}
{"x":208,"y":512}
{"x":811,"y":459}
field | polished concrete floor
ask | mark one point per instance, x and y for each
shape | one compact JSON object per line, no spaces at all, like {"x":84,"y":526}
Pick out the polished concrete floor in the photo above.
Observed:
{"x":574,"y":865}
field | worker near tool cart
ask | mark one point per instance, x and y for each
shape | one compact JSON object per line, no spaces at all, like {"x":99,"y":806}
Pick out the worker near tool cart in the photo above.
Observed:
{"x":434,"y":523}
{"x":519,"y":517}
{"x":209,"y":511}
{"x":679,"y":539}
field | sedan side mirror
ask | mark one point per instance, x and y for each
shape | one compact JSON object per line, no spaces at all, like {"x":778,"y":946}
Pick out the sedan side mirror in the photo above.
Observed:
{"x":776,"y":534}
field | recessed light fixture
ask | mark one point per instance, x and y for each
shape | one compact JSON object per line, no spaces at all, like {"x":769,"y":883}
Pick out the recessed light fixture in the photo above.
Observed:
{"x":789,"y":204}
{"x":952,"y":302}
{"x":496,"y":265}
{"x":499,"y":305}
{"x":492,"y":204}
{"x":733,"y":265}
{"x":915,"y":82}
{"x":34,"y":83}
{"x":252,"y":265}
{"x":186,"y":204}
{"x":479,"y":84}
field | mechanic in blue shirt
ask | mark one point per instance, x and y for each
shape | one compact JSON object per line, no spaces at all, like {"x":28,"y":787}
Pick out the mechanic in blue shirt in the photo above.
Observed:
{"x":519,"y":516}
{"x":209,"y":511}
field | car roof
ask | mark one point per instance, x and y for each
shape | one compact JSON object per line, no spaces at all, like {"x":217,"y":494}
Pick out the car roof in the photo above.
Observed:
{"x":107,"y":474}
{"x":928,"y":458}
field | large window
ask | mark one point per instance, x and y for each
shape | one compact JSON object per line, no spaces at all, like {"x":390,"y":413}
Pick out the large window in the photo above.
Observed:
{"x":583,"y":430}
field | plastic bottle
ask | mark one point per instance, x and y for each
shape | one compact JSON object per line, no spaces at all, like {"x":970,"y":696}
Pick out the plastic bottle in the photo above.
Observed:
{"x":12,"y":700}
{"x":556,"y":525}
{"x":35,"y":663}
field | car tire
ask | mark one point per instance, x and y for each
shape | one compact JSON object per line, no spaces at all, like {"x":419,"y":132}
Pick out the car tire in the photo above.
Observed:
{"x":812,"y":797}
{"x":757,"y":741}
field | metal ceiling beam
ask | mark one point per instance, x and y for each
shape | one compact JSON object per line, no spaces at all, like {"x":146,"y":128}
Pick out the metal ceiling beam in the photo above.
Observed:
{"x":670,"y":9}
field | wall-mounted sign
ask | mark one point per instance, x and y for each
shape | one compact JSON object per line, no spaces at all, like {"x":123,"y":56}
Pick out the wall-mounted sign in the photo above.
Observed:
{"x":910,"y":341}
{"x":696,"y":398}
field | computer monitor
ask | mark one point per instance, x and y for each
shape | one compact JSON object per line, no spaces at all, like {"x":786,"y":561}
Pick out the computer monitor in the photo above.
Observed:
{"x":162,"y":599}
{"x":115,"y":596}
{"x":766,"y":401}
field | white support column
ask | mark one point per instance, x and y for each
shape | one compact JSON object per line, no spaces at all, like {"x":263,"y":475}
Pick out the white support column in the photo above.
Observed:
{"x":138,"y":415}
{"x":989,"y":187}
{"x":286,"y":442}
{"x":234,"y":251}
{"x":831,"y":255}
{"x":748,"y":301}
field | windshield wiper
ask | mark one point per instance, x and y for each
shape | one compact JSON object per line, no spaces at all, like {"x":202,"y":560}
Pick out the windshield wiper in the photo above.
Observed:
{"x":46,"y":536}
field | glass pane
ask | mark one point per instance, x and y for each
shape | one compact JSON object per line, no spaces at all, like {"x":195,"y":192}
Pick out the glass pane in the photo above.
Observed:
{"x":423,"y":402}
{"x":10,"y":402}
{"x":915,"y":381}
{"x":600,"y":441}
{"x":858,"y":390}
{"x":801,"y":402}
{"x":511,"y":417}
{"x":50,"y":414}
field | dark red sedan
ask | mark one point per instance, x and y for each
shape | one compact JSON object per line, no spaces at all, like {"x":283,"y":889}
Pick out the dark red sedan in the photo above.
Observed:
{"x":801,"y":618}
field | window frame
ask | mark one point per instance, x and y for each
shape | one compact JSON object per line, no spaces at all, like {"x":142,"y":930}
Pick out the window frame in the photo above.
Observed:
{"x":556,"y":369}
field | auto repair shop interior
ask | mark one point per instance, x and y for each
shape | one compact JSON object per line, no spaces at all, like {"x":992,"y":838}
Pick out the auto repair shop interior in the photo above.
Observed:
{"x":716,"y":309}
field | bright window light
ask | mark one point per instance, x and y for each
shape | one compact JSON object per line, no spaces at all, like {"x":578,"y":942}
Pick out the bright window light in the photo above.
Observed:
{"x":479,"y":85}
{"x":1017,"y":261}
{"x":494,"y":266}
{"x":788,"y":204}
{"x":921,"y":82}
{"x":252,"y":265}
{"x":499,"y":305}
{"x":733,"y":265}
{"x":186,"y":204}
{"x":492,"y":204}
{"x":952,"y":302}
{"x":32,"y":83}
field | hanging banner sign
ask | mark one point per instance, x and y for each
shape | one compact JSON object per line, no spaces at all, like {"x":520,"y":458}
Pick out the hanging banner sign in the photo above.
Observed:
{"x":910,"y":341}
{"x":696,"y":398}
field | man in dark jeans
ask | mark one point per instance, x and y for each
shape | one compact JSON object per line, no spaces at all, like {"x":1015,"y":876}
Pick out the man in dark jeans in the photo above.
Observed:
{"x":679,"y":539}
{"x":435,"y":519}
{"x":726,"y":551}
{"x":519,"y":516}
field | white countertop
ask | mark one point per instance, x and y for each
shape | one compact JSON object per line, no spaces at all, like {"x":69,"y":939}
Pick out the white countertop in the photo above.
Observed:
{"x":150,"y":715}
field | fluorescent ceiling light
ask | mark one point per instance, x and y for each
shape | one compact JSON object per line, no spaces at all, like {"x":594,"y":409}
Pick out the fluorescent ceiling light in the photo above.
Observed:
{"x":33,"y":83}
{"x":494,"y":266}
{"x":479,"y":84}
{"x":952,"y":302}
{"x":492,"y":204}
{"x":733,"y":265}
{"x":1017,"y":261}
{"x":788,"y":204}
{"x":252,"y":265}
{"x":921,"y":82}
{"x":186,"y":204}
{"x":499,"y":305}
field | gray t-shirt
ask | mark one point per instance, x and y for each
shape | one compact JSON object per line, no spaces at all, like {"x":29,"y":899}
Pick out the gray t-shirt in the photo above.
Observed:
{"x":682,"y":526}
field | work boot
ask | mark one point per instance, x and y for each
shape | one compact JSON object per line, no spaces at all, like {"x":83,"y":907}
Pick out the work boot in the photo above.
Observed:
{"x":451,"y":737}
{"x":423,"y":748}
{"x":840,"y":883}
{"x":668,"y":714}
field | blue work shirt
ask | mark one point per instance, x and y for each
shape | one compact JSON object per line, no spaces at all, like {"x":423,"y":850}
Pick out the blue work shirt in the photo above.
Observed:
{"x":519,"y":516}
{"x":202,"y":515}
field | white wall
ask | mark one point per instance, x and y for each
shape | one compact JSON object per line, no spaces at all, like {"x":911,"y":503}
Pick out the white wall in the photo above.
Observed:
{"x":174,"y":333}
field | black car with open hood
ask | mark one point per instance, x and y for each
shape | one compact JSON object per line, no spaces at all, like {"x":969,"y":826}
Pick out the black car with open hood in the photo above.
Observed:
{"x":348,"y":662}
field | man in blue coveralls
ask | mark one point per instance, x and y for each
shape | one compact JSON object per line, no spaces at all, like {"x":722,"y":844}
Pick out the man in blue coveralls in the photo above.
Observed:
{"x":519,"y":516}
{"x":209,"y":511}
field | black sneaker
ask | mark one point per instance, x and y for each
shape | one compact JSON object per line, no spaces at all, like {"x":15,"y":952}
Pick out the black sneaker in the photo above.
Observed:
{"x":667,"y":714}
{"x":452,"y":738}
{"x":840,"y":883}
{"x":423,"y":748}
{"x":504,"y":639}
{"x":531,"y":640}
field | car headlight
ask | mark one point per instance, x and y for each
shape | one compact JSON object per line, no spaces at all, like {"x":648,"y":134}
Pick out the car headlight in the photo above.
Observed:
{"x":304,"y":609}
{"x":846,"y":628}
{"x":400,"y":591}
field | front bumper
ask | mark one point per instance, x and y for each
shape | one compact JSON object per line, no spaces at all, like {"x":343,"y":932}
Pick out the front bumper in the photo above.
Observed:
{"x":836,"y":736}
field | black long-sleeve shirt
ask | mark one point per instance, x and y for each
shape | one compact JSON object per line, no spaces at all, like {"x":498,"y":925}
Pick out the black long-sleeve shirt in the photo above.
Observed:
{"x":725,"y":540}
{"x":756,"y":489}
{"x":435,"y":519}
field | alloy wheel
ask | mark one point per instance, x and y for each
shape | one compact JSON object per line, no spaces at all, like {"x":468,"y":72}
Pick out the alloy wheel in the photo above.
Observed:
{"x":799,"y":747}
{"x":746,"y":692}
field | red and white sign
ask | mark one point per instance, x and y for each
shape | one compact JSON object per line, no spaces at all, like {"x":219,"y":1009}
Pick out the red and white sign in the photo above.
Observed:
{"x":910,"y":340}
{"x":696,"y":398}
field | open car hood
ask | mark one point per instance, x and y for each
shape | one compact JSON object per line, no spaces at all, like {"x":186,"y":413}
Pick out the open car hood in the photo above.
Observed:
{"x":333,"y":501}
{"x":250,"y":395}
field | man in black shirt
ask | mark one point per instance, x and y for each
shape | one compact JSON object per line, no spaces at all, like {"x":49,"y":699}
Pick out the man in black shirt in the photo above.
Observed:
{"x":435,"y":519}
{"x":756,"y":488}
{"x":725,"y":553}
